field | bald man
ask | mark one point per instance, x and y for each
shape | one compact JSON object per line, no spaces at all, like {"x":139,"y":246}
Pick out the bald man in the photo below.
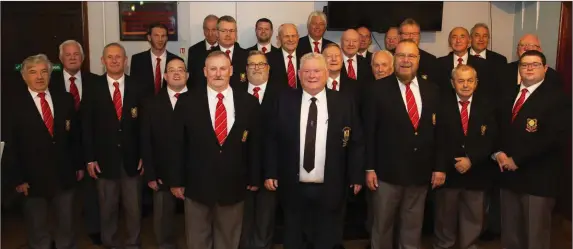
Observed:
{"x":355,"y":67}
{"x":382,"y":64}
{"x":285,"y":62}
{"x":459,"y":42}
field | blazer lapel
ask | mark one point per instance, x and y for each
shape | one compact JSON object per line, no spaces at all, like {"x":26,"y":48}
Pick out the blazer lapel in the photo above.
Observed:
{"x":423,"y":91}
{"x":31,"y":105}
{"x":127,"y":98}
{"x":475,"y":118}
{"x":295,"y":125}
{"x":396,"y":97}
{"x":239,"y":115}
{"x":333,"y":119}
{"x":204,"y":107}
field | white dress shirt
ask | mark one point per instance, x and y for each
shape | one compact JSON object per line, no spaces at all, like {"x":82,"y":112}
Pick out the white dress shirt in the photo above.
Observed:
{"x":312,"y":44}
{"x":530,"y":91}
{"x":227,"y":101}
{"x":77,"y":81}
{"x":121,"y":82}
{"x":260,"y":47}
{"x":363,"y":54}
{"x":415,"y":87}
{"x":460,"y":105}
{"x":261,"y":91}
{"x":464,"y":58}
{"x":208,"y":46}
{"x":481,"y":55}
{"x":317,"y":174}
{"x":354,"y":64}
{"x":172,"y":97}
{"x":162,"y":64}
{"x":330,"y":80}
{"x":231,"y":48}
{"x":37,"y":100}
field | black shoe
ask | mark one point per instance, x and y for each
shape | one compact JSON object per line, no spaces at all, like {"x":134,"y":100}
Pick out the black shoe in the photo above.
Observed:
{"x":96,"y":239}
{"x":488,"y":236}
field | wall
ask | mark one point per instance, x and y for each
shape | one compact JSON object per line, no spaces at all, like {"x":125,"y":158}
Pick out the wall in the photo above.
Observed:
{"x":541,"y":18}
{"x":103,"y":21}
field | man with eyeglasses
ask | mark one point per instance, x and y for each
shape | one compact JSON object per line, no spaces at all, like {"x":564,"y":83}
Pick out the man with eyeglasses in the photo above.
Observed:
{"x":535,"y":125}
{"x":259,"y":215}
{"x":199,"y":51}
{"x":264,"y":32}
{"x":400,"y":152}
{"x":156,"y":122}
{"x":410,"y":29}
{"x":227,"y":26}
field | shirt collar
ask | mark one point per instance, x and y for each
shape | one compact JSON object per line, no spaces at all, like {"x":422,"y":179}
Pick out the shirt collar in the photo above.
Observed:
{"x":35,"y":94}
{"x":414,"y":81}
{"x":329,"y":80}
{"x":172,"y":93}
{"x":120,"y":80}
{"x":162,"y":56}
{"x":470,"y":99}
{"x":260,"y":47}
{"x":231,"y":48}
{"x":312,"y":41}
{"x":68,"y":75}
{"x":464,"y":57}
{"x":208,"y":46}
{"x":285,"y":54}
{"x":262,"y":86}
{"x":321,"y":96}
{"x":213,"y":94}
{"x":481,"y":55}
{"x":531,"y":88}
{"x":346,"y":58}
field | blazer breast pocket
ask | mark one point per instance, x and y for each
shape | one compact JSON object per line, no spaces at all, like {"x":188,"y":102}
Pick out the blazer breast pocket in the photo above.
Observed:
{"x":345,"y":136}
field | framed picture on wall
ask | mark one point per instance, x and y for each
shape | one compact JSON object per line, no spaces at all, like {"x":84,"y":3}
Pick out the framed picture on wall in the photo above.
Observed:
{"x":135,"y":18}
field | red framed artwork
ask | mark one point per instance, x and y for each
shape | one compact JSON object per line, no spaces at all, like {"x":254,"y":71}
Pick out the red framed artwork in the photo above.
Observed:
{"x":135,"y":18}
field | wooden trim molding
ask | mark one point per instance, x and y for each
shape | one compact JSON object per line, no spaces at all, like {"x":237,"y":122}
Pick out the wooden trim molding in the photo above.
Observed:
{"x":85,"y":37}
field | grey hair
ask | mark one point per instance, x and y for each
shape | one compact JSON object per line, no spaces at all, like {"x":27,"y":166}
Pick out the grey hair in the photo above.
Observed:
{"x":316,"y":13}
{"x":68,"y":42}
{"x":463,"y":68}
{"x":311,"y":56}
{"x":479,"y":25}
{"x":386,"y":52}
{"x":34,"y":60}
{"x":285,"y":24}
{"x":255,"y":52}
{"x":114,"y":44}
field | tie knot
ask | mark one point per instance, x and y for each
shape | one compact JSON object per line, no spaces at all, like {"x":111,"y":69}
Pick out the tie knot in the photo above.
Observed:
{"x":315,"y":43}
{"x":264,"y":49}
{"x":464,"y":103}
{"x":72,"y":79}
{"x":334,"y":82}
{"x":313,"y":99}
{"x":177,"y":95}
{"x":220,"y":96}
{"x":350,"y":60}
{"x":158,"y":59}
{"x":228,"y":52}
{"x":116,"y":84}
{"x":212,"y":47}
{"x":477,"y":55}
{"x":460,"y":60}
{"x":256,"y":89}
{"x":289,"y":56}
{"x":42,"y":95}
{"x":524,"y":91}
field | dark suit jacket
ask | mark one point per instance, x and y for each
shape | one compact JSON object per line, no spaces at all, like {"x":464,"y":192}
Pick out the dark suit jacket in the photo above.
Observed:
{"x":478,"y":145}
{"x":273,"y":48}
{"x":368,"y":57}
{"x":156,"y":144}
{"x":142,"y":71}
{"x":445,"y":65}
{"x":349,"y":87}
{"x":364,"y":71}
{"x":536,"y":139}
{"x":278,"y":71}
{"x":111,"y":142}
{"x":32,"y":155}
{"x":239,"y":63}
{"x":493,"y":58}
{"x":196,"y":61}
{"x":399,"y":154}
{"x":214,"y":174}
{"x":343,"y":165}
{"x":304,"y":46}
{"x":509,"y":85}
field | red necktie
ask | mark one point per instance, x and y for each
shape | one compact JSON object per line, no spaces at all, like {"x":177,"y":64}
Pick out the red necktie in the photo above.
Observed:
{"x":460,"y":61}
{"x":47,"y":113}
{"x":117,"y":100}
{"x":316,"y":50}
{"x":334,"y":84}
{"x":412,"y":107}
{"x":212,"y":47}
{"x":221,"y":120}
{"x":157,"y":75}
{"x":351,"y":72}
{"x":75,"y":92}
{"x":228,"y":52}
{"x":177,"y":95}
{"x":477,"y":55}
{"x":518,"y":104}
{"x":264,"y":50}
{"x":465,"y":116}
{"x":256,"y":92}
{"x":290,"y":73}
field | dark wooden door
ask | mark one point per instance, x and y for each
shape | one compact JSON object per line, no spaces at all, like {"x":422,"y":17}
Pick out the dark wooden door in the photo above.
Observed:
{"x":30,"y":28}
{"x":564,"y":68}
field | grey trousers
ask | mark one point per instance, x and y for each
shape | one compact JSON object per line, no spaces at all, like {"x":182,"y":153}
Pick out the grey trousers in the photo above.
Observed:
{"x":109,"y":198}
{"x":405,"y":203}
{"x":217,"y":227}
{"x":459,"y":216}
{"x":36,"y":211}
{"x":258,"y":220}
{"x":525,"y":220}
{"x":164,"y":219}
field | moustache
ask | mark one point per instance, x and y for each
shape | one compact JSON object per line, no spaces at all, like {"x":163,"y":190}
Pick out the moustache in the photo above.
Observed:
{"x":218,"y":78}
